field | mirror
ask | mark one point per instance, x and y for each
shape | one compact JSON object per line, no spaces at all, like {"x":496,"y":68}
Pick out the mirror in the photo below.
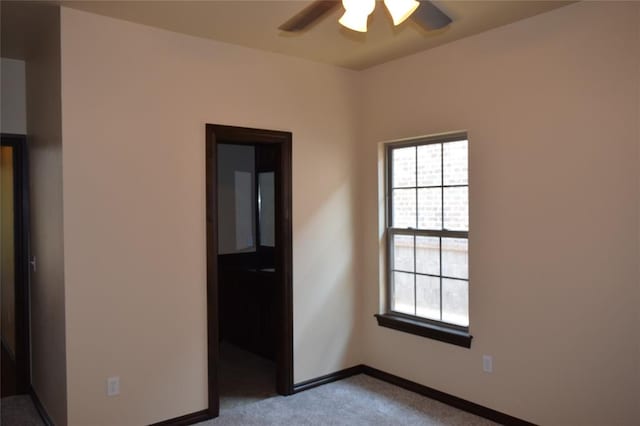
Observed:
{"x":236,"y":195}
{"x":266,"y":208}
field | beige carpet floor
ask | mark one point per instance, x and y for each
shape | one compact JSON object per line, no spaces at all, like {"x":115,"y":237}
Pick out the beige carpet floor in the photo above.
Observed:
{"x":244,"y":378}
{"x":358,"y":400}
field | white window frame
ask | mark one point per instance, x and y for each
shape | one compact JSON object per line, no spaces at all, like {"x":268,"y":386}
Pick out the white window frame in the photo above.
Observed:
{"x":390,"y":232}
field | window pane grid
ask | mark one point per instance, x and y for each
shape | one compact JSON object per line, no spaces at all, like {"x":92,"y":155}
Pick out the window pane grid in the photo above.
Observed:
{"x":401,"y":217}
{"x":429,"y":232}
{"x":442,"y":220}
{"x":406,"y":200}
{"x":415,"y":287}
{"x":414,"y":281}
{"x":431,"y":275}
{"x":429,"y":186}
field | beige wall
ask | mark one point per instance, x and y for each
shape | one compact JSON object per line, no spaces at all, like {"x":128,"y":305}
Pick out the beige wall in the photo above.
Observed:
{"x":551,"y":107}
{"x":135,"y":104}
{"x":7,"y":250}
{"x":638,"y":129}
{"x":48,"y":363}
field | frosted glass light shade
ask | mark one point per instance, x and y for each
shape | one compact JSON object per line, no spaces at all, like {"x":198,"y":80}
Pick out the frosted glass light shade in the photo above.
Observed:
{"x":354,"y":21}
{"x":356,"y":14}
{"x":400,"y":10}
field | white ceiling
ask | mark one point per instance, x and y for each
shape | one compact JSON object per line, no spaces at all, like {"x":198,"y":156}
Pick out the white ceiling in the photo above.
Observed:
{"x":255,"y":24}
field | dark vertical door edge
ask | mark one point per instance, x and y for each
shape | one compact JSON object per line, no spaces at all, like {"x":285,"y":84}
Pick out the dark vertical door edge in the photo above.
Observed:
{"x":21,"y":247}
{"x":211,"y":186}
{"x":216,"y":134}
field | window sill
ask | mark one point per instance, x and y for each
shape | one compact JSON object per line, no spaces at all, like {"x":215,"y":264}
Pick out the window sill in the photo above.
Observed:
{"x":431,"y":331}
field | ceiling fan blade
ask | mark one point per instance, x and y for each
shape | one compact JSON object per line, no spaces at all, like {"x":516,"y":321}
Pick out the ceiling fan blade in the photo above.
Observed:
{"x":430,"y":17}
{"x":308,"y":15}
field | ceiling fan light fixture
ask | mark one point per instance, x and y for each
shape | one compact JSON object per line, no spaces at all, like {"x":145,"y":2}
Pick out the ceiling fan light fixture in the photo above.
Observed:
{"x":357,"y":14}
{"x":354,"y":21}
{"x":400,"y":10}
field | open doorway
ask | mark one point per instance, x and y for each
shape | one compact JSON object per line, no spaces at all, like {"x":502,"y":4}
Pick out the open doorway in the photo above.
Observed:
{"x":15,"y":359}
{"x":249,"y":280}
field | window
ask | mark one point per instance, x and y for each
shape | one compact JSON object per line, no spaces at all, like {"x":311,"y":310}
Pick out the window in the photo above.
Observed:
{"x":428,"y":238}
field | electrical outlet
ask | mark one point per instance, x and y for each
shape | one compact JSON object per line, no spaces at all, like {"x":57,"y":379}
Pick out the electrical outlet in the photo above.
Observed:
{"x":487,"y":363}
{"x":113,"y":386}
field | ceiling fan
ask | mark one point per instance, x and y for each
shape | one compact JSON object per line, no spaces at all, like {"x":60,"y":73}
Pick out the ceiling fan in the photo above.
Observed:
{"x":423,"y":12}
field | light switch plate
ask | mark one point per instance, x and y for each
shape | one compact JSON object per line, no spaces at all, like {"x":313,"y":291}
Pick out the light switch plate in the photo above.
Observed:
{"x":487,"y":363}
{"x":113,"y":386}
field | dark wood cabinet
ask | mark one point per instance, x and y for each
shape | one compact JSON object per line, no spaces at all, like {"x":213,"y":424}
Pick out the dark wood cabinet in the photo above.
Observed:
{"x":248,"y":309}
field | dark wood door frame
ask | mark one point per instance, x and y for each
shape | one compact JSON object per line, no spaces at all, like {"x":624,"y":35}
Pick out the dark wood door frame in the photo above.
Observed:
{"x":21,"y":248}
{"x":217,"y":134}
